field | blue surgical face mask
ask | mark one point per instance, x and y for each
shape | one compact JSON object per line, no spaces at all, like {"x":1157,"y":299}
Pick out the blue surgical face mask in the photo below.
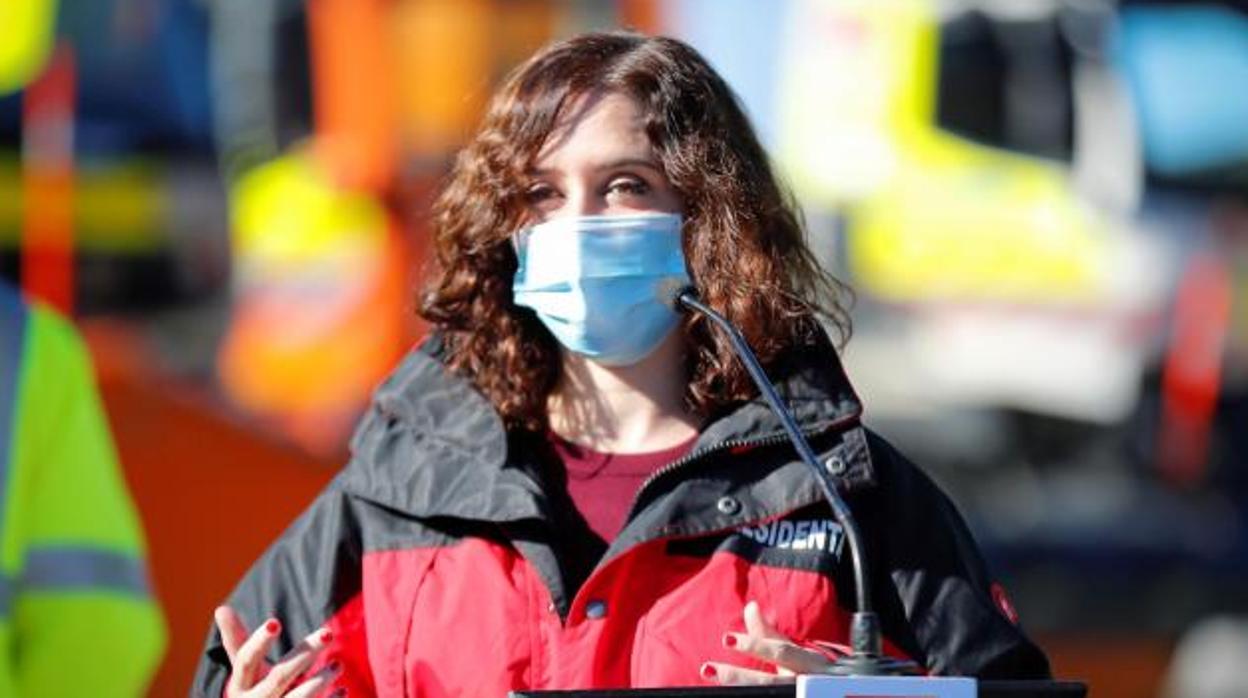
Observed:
{"x":601,"y":284}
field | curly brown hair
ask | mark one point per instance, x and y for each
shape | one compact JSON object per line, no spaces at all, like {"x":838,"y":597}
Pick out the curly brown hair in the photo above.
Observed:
{"x":743,"y":236}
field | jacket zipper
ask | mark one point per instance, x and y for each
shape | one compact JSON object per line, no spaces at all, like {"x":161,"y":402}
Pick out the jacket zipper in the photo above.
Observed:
{"x":696,"y":455}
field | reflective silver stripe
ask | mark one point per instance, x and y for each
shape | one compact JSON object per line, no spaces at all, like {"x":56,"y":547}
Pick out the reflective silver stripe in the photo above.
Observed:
{"x":84,"y":569}
{"x":64,"y":570}
{"x":12,"y":337}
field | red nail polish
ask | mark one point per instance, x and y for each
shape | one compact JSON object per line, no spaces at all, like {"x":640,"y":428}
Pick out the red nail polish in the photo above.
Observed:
{"x":272,"y":627}
{"x":335,"y":666}
{"x":326,"y":636}
{"x":708,"y":671}
{"x":730,"y":640}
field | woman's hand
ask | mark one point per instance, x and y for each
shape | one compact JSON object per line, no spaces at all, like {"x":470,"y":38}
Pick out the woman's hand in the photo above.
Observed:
{"x":251,"y":675}
{"x":761,"y":641}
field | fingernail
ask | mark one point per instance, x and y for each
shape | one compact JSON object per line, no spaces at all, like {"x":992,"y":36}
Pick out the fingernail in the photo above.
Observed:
{"x":339,"y":693}
{"x":708,"y":671}
{"x":272,"y":627}
{"x":730,"y":640}
{"x":335,"y":667}
{"x":325,"y":637}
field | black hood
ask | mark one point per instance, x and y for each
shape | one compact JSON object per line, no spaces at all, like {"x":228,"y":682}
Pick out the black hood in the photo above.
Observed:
{"x":432,"y":445}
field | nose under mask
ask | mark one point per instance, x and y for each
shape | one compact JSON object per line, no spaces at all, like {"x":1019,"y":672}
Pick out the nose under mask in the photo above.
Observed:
{"x":600,"y":283}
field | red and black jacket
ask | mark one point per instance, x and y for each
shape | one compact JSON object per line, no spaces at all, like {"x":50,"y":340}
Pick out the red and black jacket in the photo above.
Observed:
{"x":446,"y":557}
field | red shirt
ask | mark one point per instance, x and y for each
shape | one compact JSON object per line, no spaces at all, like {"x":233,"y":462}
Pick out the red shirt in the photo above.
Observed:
{"x":602,"y":485}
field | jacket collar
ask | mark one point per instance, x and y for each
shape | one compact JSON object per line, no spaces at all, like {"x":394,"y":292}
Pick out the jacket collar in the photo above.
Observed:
{"x":431,"y":445}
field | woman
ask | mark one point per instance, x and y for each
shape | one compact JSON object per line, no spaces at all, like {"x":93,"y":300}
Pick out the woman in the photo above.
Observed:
{"x":571,"y":484}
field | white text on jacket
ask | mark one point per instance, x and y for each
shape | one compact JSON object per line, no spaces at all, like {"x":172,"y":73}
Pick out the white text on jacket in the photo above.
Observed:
{"x":813,"y":534}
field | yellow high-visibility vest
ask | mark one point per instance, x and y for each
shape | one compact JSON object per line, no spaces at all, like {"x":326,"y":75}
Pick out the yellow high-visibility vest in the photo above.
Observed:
{"x":77,"y":615}
{"x":29,"y":28}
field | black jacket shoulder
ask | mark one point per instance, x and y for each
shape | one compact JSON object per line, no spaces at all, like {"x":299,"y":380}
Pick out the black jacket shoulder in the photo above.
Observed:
{"x":937,"y":577}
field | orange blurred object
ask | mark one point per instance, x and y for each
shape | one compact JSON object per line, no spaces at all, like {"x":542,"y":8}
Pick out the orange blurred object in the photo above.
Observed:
{"x":1112,"y":665}
{"x":642,"y":15}
{"x":48,"y":183}
{"x":354,"y":100}
{"x":392,"y":78}
{"x":309,"y":368}
{"x":443,"y":68}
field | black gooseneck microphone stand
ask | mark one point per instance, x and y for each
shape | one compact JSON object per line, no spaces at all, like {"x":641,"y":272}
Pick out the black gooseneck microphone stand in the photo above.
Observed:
{"x":867,"y":657}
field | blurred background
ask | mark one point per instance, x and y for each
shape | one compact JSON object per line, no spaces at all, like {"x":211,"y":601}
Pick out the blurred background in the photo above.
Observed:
{"x":1041,"y":204}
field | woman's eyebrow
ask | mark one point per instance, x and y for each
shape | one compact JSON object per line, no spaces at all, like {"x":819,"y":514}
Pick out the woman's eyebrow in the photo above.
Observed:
{"x":628,"y":162}
{"x":598,"y":167}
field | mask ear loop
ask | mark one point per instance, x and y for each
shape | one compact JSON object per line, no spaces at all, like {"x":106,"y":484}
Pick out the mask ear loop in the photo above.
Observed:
{"x":520,"y":238}
{"x":519,"y":244}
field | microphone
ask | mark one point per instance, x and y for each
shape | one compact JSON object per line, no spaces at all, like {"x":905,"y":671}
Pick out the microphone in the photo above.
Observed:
{"x":866,"y":657}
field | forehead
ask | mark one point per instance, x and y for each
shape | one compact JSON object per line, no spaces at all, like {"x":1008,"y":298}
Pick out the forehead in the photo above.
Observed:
{"x":596,"y":126}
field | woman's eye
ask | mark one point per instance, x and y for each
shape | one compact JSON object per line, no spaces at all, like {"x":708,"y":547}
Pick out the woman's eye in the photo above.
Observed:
{"x":538,"y":193}
{"x":628,"y":185}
